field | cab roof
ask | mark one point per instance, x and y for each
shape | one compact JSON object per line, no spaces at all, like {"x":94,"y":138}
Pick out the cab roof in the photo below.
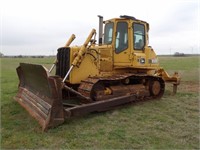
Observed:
{"x":126,"y":17}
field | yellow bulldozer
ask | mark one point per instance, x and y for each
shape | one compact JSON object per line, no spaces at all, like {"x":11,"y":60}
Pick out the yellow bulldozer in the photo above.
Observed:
{"x":119,"y":69}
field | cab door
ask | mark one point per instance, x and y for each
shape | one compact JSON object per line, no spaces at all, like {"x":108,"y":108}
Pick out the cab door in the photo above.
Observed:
{"x":139,"y":42}
{"x":121,"y":44}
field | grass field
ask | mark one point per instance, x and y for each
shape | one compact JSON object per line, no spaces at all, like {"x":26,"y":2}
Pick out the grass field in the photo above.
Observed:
{"x":169,"y":123}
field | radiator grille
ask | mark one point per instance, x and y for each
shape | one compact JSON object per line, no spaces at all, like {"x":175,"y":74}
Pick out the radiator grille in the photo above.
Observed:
{"x":63,"y":61}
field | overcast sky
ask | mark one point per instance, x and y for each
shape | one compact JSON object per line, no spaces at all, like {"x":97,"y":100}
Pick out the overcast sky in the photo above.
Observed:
{"x":39,"y":27}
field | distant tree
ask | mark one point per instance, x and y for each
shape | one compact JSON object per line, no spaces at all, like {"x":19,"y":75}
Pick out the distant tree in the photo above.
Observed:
{"x":179,"y":54}
{"x":1,"y":54}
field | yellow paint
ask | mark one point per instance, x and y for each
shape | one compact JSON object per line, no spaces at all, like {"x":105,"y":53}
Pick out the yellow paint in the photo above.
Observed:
{"x":102,"y":60}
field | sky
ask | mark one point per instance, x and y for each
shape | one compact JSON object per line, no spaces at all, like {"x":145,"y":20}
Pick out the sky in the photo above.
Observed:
{"x":40,"y":27}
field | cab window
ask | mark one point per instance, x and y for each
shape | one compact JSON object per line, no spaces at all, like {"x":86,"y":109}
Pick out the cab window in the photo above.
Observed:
{"x":108,"y":33}
{"x":139,"y":36}
{"x":121,"y":41}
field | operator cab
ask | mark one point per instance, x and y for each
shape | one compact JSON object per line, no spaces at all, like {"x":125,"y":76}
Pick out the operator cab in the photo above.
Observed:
{"x":116,"y":32}
{"x":128,"y":37}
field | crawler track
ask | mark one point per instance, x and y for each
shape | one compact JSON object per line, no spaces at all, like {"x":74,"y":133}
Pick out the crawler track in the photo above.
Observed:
{"x":142,"y":85}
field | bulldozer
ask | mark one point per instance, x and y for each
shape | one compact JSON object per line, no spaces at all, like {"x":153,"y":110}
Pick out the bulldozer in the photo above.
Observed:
{"x":120,"y":69}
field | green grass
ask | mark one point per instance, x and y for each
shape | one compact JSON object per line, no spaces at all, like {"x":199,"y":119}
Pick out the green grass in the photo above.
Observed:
{"x":169,"y":123}
{"x":188,"y":67}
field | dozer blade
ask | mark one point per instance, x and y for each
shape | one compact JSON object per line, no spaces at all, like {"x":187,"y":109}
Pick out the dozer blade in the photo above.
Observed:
{"x":40,"y":94}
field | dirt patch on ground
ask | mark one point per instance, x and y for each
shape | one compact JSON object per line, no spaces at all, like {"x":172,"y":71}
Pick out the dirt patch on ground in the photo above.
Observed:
{"x":189,"y":86}
{"x":186,"y":86}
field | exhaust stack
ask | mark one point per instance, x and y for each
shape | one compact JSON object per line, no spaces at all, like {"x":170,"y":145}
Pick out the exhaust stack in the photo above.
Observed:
{"x":100,"y":29}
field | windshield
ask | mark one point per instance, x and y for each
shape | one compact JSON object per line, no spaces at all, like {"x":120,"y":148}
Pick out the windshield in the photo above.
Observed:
{"x":121,"y":42}
{"x":108,"y":33}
